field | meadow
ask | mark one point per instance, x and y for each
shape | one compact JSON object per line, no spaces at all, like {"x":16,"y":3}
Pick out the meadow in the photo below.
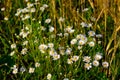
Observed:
{"x":59,"y":39}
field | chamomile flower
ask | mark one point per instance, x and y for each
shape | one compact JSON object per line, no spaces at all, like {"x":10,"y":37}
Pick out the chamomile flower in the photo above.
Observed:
{"x":88,"y":66}
{"x":69,"y":61}
{"x":15,"y":71}
{"x":81,"y":42}
{"x":98,"y":56}
{"x":32,"y":10}
{"x":85,"y":9}
{"x":86,"y":59}
{"x":43,"y":48}
{"x":83,"y":24}
{"x":52,"y":52}
{"x":56,"y":56}
{"x":13,"y":46}
{"x":61,"y":19}
{"x":31,"y":70}
{"x":24,"y":51}
{"x":50,"y":45}
{"x":45,"y":5}
{"x":3,"y":9}
{"x":48,"y":20}
{"x":51,"y":28}
{"x":68,"y":51}
{"x":105,"y":64}
{"x":91,"y":44}
{"x":12,"y":53}
{"x":65,"y":79}
{"x":75,"y":58}
{"x":6,"y":18}
{"x":37,"y":64}
{"x":95,"y":63}
{"x":49,"y":76}
{"x":42,"y":9}
{"x":25,"y":42}
{"x":91,"y":33}
{"x":73,"y":41}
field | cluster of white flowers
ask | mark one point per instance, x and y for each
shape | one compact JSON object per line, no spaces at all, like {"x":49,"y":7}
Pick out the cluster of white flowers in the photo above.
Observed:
{"x":95,"y":62}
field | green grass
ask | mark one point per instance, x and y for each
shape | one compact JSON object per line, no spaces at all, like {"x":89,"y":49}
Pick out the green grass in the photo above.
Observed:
{"x":68,"y":29}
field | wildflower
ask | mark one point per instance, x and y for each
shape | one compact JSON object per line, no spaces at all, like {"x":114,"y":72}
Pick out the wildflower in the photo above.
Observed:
{"x":95,"y":63}
{"x":56,"y":56}
{"x":25,"y":10}
{"x":80,"y":47}
{"x":50,"y":45}
{"x":42,"y":9}
{"x":93,"y":18}
{"x":98,"y":56}
{"x":3,"y":9}
{"x":68,"y":51}
{"x":60,"y":34}
{"x":31,"y":70}
{"x":37,"y":64}
{"x":12,"y":53}
{"x":69,"y":61}
{"x":45,"y":5}
{"x":13,"y":46}
{"x":88,"y":66}
{"x":85,"y":9}
{"x":6,"y":18}
{"x":48,"y":21}
{"x":89,"y":25}
{"x":52,"y":52}
{"x":105,"y":64}
{"x":73,"y":41}
{"x":75,"y":58}
{"x":51,"y":29}
{"x":24,"y":51}
{"x":27,"y":16}
{"x":83,"y":24}
{"x":36,"y":0}
{"x":29,"y":5}
{"x":91,"y":33}
{"x":61,"y":19}
{"x":66,"y":34}
{"x":43,"y":47}
{"x":81,"y":42}
{"x":69,"y":29}
{"x":32,"y":10}
{"x":23,"y":33}
{"x":25,"y":42}
{"x":91,"y":44}
{"x":49,"y":76}
{"x":26,"y":0}
{"x":98,"y":35}
{"x":22,"y":69}
{"x":86,"y":59}
{"x":65,"y":79}
{"x":62,"y":52}
{"x":43,"y":28}
{"x":15,"y":71}
{"x":99,"y":42}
